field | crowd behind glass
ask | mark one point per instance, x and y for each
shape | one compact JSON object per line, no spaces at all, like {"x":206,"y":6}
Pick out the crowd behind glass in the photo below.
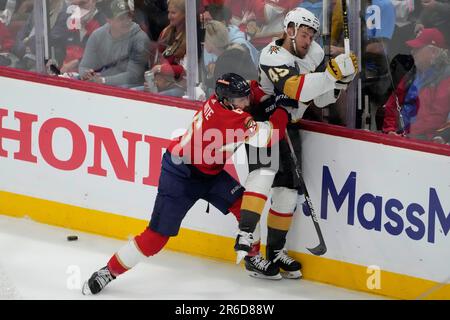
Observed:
{"x":404,"y":87}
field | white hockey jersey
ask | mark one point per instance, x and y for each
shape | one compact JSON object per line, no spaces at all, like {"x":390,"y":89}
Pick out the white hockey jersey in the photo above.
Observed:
{"x":282,"y":73}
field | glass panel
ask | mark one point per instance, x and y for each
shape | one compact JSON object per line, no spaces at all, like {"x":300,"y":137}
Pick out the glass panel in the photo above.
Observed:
{"x":404,"y":48}
{"x":234,"y":34}
{"x":17,"y":41}
{"x":70,"y":34}
{"x":167,"y":62}
{"x":105,"y":44}
{"x":122,"y":43}
{"x":116,"y":41}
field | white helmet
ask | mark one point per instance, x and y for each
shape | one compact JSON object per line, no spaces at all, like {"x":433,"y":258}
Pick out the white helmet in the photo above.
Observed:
{"x":301,"y":16}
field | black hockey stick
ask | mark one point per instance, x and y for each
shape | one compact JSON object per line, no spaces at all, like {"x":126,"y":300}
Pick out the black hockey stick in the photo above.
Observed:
{"x":346,"y":30}
{"x":321,"y":248}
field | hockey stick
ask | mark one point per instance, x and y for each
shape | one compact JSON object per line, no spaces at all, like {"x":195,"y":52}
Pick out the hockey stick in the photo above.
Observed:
{"x":321,"y":247}
{"x":346,"y":30}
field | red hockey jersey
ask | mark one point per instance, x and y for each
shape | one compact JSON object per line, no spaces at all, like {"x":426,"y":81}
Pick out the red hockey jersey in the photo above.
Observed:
{"x":216,"y":132}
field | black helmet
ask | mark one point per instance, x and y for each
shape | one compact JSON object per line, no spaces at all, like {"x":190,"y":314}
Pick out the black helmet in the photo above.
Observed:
{"x":231,"y":85}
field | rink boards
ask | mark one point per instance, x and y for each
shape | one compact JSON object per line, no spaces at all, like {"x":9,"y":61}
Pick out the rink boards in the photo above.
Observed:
{"x":87,"y":157}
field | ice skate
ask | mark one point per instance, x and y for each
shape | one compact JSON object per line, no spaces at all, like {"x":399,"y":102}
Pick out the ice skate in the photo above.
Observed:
{"x":290,"y":268}
{"x":258,"y":267}
{"x":97,"y":281}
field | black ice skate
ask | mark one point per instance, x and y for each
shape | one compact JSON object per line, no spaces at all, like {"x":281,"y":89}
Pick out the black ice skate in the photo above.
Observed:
{"x":258,"y":267}
{"x":97,"y":281}
{"x":243,"y":245}
{"x":290,"y":268}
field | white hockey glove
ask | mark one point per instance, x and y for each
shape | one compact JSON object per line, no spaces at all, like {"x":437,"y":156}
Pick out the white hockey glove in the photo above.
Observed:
{"x":349,"y":78}
{"x":342,"y":66}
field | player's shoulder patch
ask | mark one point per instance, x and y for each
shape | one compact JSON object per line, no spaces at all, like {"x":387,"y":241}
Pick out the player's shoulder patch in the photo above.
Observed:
{"x":273,"y":55}
{"x":273,"y":49}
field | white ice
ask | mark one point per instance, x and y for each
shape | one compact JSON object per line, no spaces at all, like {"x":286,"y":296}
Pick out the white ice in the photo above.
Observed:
{"x":37,"y":262}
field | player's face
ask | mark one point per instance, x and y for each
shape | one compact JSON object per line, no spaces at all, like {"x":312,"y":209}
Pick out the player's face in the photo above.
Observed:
{"x":303,"y":40}
{"x":241,"y":103}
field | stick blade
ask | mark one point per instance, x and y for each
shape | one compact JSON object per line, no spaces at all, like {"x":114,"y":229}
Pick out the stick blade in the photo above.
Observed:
{"x":320,"y":250}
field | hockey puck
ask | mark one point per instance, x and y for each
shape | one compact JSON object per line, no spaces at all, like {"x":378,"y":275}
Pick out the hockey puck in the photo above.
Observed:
{"x":72,"y":238}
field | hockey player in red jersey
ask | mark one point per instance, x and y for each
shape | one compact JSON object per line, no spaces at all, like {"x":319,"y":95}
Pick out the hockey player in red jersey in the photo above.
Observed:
{"x":193,"y":169}
{"x":287,"y":71}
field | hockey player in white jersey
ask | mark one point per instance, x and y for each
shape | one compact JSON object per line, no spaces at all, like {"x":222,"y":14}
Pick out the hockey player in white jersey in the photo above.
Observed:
{"x":288,"y":71}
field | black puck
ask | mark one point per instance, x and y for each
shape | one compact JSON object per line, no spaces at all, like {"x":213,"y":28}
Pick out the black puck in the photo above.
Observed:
{"x":72,"y":238}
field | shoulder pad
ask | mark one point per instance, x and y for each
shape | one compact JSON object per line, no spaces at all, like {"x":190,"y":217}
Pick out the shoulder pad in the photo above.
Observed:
{"x":273,"y":55}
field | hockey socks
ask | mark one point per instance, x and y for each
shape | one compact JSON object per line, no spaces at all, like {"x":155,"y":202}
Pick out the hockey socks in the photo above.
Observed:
{"x":148,"y":243}
{"x":251,"y":209}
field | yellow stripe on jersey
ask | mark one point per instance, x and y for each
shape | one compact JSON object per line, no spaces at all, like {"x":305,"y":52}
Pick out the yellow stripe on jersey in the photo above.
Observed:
{"x":293,"y":86}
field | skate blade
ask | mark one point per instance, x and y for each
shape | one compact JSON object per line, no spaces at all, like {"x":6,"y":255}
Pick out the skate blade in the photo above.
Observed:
{"x":258,"y":275}
{"x":291,"y":274}
{"x":240,"y":255}
{"x":86,"y":291}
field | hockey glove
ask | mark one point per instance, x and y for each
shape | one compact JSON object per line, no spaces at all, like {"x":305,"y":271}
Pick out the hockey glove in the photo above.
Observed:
{"x":342,"y":66}
{"x":350,"y":78}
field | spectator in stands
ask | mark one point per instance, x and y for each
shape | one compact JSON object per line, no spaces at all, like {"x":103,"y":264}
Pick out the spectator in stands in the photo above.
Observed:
{"x":13,"y":15}
{"x":231,"y":57}
{"x":423,"y":94}
{"x":151,"y":15}
{"x":261,"y":20}
{"x":6,"y":38}
{"x":435,"y":14}
{"x":116,"y":53}
{"x":401,"y":59}
{"x":84,"y":20}
{"x":103,"y":5}
{"x":20,"y":14}
{"x":24,"y":47}
{"x":166,"y":83}
{"x":7,"y":10}
{"x":380,"y":25}
{"x":171,"y":46}
{"x":404,"y":26}
{"x":223,"y":14}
